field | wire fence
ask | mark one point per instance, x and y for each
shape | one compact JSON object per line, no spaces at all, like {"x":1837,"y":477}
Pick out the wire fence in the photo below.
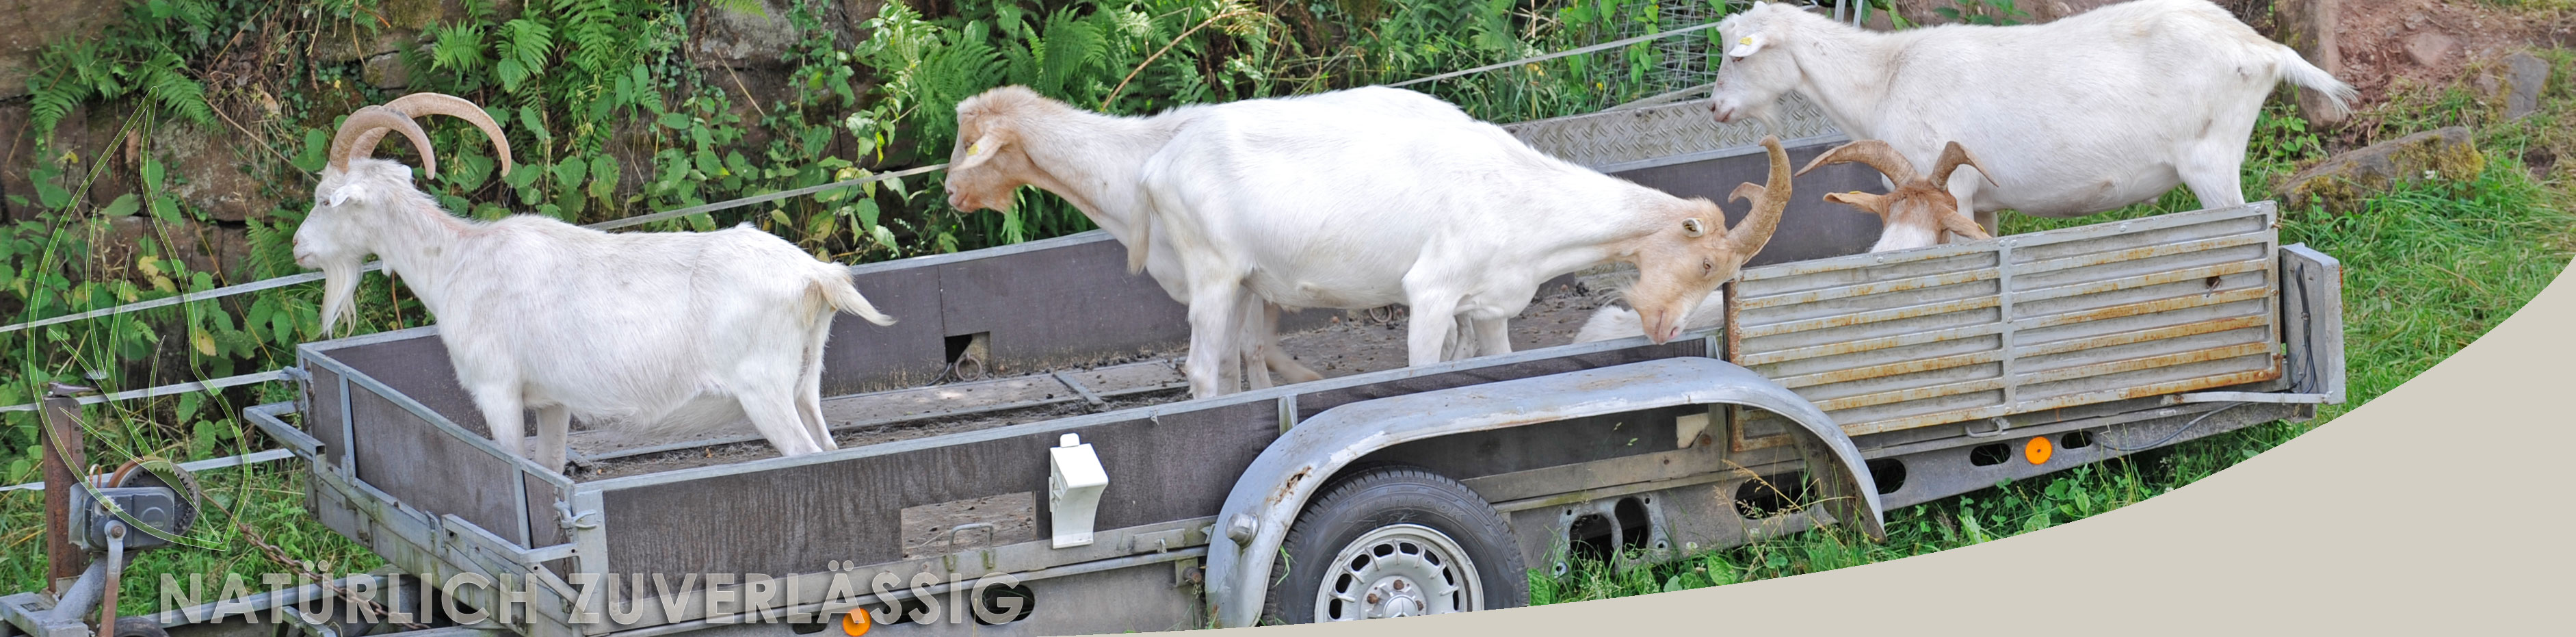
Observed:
{"x":1671,"y":74}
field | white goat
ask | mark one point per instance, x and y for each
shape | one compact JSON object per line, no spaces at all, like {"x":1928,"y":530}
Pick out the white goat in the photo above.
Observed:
{"x":1918,"y":213}
{"x":1309,"y":203}
{"x":1011,"y":136}
{"x":2089,"y":113}
{"x":642,"y":330}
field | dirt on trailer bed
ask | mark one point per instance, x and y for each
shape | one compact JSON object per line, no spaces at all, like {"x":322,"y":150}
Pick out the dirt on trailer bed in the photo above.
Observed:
{"x":1352,"y":343}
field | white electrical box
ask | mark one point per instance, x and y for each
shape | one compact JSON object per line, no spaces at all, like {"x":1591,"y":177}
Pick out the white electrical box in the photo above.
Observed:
{"x":1074,"y":481}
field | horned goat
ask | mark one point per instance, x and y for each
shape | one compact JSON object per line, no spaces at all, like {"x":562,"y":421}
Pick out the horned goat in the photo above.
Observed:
{"x":1011,"y":136}
{"x":647,"y":331}
{"x":1918,"y":212}
{"x":1310,"y":203}
{"x":2088,"y":113}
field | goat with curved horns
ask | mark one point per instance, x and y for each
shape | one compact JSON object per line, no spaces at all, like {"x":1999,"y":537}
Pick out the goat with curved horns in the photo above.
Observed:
{"x":657,"y":331}
{"x":1919,"y":212}
{"x":1315,"y":204}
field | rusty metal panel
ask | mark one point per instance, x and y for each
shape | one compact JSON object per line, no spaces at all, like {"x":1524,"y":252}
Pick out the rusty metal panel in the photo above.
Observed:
{"x":1891,"y":341}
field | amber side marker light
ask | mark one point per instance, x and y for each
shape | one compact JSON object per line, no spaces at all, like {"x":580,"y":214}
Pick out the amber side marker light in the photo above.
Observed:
{"x":856,"y":622}
{"x":2036,"y":452}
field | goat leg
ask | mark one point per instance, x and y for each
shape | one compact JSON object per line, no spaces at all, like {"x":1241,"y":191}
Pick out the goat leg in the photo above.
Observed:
{"x":554,"y":424}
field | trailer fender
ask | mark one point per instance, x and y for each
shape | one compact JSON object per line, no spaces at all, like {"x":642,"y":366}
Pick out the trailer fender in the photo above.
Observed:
{"x":1266,"y":499}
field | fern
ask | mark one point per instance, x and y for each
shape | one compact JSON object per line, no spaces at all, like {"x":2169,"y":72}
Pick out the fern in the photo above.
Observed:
{"x":457,"y":47}
{"x":1074,"y":47}
{"x":522,"y":50}
{"x":166,"y":81}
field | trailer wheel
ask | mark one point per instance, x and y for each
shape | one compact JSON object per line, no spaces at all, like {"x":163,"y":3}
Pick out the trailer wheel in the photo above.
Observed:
{"x":1393,"y":541}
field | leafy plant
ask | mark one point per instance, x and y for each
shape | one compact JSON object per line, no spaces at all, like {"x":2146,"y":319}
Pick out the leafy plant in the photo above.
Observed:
{"x":1986,"y":12}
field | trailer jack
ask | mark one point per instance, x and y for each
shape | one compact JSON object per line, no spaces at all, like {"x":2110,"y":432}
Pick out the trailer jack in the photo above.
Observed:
{"x":94,"y":518}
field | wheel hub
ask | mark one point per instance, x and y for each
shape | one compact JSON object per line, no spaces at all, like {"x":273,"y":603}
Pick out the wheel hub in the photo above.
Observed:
{"x":1398,"y":570}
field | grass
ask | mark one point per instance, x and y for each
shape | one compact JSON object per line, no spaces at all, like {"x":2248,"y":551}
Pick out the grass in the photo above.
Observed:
{"x":267,"y":498}
{"x":2428,"y":268}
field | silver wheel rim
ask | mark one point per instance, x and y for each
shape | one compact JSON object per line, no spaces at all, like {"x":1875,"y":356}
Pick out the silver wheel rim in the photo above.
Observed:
{"x":1398,"y":570}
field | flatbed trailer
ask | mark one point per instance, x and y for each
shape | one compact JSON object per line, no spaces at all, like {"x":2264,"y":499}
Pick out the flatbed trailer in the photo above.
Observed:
{"x":975,"y":432}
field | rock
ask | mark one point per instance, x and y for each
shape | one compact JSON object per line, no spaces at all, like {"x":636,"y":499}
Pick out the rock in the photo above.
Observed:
{"x":347,"y":41}
{"x":205,"y":248}
{"x":2428,"y":48}
{"x":2525,"y":75}
{"x":414,"y":15}
{"x":36,"y":23}
{"x":2516,"y":83}
{"x":2308,"y":26}
{"x":728,"y":38}
{"x":209,"y":168}
{"x":386,"y":71}
{"x":2343,"y":181}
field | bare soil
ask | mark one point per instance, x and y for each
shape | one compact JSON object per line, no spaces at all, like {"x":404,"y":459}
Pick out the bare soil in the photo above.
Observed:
{"x":2387,"y":45}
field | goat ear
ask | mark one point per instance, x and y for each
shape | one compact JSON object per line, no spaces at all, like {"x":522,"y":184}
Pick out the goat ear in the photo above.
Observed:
{"x":342,"y":195}
{"x":1960,"y":224}
{"x":1873,"y":204}
{"x":1694,"y":228}
{"x":1747,"y":45}
{"x":1747,"y":191}
{"x":981,"y":151}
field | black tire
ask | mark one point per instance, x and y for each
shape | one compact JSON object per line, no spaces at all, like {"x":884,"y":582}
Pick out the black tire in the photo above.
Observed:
{"x":1395,"y":502}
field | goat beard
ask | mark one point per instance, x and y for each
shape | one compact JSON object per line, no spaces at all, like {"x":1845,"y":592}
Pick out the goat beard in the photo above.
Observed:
{"x":339,"y":293}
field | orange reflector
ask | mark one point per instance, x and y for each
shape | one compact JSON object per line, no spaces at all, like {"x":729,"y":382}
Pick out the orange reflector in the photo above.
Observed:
{"x":856,"y":622}
{"x":2036,"y":452}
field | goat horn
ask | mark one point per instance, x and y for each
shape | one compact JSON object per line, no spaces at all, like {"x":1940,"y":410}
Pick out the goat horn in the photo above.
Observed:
{"x":1953,"y":156}
{"x":1876,"y":154}
{"x":418,"y":104}
{"x":360,"y":132}
{"x":1749,"y":235}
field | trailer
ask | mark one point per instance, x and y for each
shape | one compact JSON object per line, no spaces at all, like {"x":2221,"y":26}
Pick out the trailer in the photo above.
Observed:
{"x":1019,"y":455}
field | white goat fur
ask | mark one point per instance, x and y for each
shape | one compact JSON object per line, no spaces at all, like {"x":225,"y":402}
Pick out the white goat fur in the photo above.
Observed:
{"x":1310,"y":203}
{"x":1616,"y":322}
{"x":2092,"y":112}
{"x":1011,"y":136}
{"x":649,"y":331}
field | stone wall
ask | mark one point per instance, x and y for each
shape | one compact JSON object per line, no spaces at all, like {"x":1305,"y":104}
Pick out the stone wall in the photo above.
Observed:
{"x":226,"y":171}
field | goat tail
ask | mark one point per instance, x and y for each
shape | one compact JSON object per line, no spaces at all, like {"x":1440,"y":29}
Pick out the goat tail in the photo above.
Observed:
{"x":2296,"y":69}
{"x":835,"y":289}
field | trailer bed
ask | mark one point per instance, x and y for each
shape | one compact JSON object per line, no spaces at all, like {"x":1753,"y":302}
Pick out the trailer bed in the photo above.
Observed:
{"x":1346,"y":344}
